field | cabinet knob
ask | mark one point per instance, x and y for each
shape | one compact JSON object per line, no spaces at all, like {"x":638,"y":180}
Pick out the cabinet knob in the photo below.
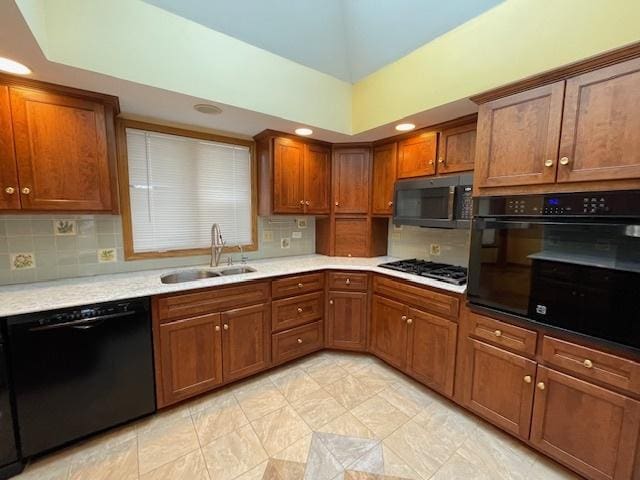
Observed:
{"x":564,"y":161}
{"x":301,"y":202}
{"x":26,"y":190}
{"x":409,"y":321}
{"x":348,"y":255}
{"x":403,"y":318}
{"x":527,"y":379}
{"x":548,"y":163}
{"x":389,"y":203}
{"x":300,"y":285}
{"x":430,"y":162}
{"x":441,"y":160}
{"x":337,"y":204}
{"x":299,"y":310}
{"x":541,"y":386}
{"x":498,"y":333}
{"x":330,"y":302}
{"x":217,"y":328}
{"x":348,"y":281}
{"x":588,"y":363}
{"x":9,"y":190}
{"x":225,"y":326}
{"x":299,"y":340}
{"x":307,"y":203}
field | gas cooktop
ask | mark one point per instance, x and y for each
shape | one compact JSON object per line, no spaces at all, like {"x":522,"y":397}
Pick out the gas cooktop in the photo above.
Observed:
{"x":438,"y":271}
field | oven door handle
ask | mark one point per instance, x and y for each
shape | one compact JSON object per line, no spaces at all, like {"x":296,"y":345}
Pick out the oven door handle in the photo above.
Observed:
{"x":83,"y":324}
{"x":491,"y":223}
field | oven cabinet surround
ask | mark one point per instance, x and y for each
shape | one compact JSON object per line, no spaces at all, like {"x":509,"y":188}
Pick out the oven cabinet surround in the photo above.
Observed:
{"x":576,"y":404}
{"x":57,"y":148}
{"x":294,"y":175}
{"x":576,"y":133}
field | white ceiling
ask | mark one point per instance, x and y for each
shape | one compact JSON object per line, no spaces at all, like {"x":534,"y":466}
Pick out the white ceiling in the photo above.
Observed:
{"x":347,"y":39}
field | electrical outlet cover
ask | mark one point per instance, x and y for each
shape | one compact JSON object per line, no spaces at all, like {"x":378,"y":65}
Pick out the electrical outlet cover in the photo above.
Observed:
{"x":267,"y":236}
{"x":296,"y":234}
{"x":434,"y":249}
{"x":285,"y":242}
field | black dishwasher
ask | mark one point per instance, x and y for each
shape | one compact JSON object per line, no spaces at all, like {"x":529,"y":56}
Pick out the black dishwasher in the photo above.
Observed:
{"x":79,"y":371}
{"x":9,"y":458}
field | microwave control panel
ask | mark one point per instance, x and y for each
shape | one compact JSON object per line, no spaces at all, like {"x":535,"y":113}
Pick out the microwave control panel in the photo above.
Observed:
{"x":622,"y":203}
{"x":464,"y":203}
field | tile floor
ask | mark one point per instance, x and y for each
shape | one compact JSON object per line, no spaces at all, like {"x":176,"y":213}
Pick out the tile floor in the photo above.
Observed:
{"x":330,"y":416}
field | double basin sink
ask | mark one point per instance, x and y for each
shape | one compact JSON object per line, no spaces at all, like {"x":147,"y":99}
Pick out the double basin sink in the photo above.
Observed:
{"x":193,"y":275}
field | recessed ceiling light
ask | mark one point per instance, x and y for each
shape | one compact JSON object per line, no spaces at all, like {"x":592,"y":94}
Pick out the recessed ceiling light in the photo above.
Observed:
{"x":11,"y":66}
{"x":304,"y":131}
{"x":405,"y":127}
{"x":208,"y":109}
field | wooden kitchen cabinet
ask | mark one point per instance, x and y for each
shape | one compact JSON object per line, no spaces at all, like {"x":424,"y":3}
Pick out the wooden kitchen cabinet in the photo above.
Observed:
{"x":246,"y":341}
{"x":317,"y":180}
{"x":288,"y":171}
{"x":190,"y":357}
{"x":346,"y":322}
{"x":9,"y":187}
{"x":499,"y":386}
{"x":385,"y":159}
{"x":389,"y":331}
{"x":351,"y":180}
{"x":351,"y":237}
{"x":591,"y":429}
{"x":518,"y":138}
{"x":431,"y":353}
{"x":57,"y":148}
{"x":457,"y":149}
{"x":417,"y":155}
{"x":600,"y":125}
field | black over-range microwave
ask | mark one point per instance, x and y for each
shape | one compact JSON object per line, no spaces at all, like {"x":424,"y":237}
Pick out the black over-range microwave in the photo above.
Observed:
{"x":570,"y":261}
{"x":442,"y":202}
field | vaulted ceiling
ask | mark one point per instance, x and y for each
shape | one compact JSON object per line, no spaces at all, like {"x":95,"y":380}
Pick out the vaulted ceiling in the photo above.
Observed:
{"x":347,"y":39}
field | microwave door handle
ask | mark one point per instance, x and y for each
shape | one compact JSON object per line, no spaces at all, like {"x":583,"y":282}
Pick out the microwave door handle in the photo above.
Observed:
{"x":451,"y":202}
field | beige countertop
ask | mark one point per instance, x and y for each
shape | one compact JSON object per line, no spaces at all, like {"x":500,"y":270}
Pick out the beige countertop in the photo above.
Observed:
{"x":73,"y":292}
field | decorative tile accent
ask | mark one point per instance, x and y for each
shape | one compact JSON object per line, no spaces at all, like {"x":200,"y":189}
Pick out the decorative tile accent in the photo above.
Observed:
{"x":23,"y":261}
{"x":285,"y":242}
{"x":301,"y":223}
{"x":107,"y":255}
{"x":64,"y":227}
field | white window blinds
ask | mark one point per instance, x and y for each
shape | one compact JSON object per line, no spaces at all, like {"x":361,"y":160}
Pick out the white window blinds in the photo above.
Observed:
{"x":180,"y":186}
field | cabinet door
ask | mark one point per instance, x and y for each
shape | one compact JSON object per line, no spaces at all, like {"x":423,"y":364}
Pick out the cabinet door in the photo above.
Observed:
{"x":431,"y":352}
{"x":351,"y":237}
{"x":600,"y":125}
{"x":588,"y":428}
{"x":457,"y":149}
{"x":347,"y":320}
{"x":518,"y":138}
{"x":384,"y":178}
{"x":351,"y":180}
{"x":61,"y":148}
{"x":389,"y":331}
{"x":417,"y":155}
{"x":288,"y":171}
{"x":498,"y":385}
{"x":9,"y":188}
{"x":317,"y":180}
{"x":190,"y":357}
{"x":246,"y":342}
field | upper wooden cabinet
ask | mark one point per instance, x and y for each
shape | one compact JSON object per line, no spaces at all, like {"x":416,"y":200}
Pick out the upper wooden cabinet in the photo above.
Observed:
{"x":417,"y":155}
{"x":385,"y":159}
{"x":457,"y":149}
{"x":600,"y":125}
{"x":294,"y":176}
{"x":64,"y":147}
{"x":518,"y":138}
{"x":351,"y":180}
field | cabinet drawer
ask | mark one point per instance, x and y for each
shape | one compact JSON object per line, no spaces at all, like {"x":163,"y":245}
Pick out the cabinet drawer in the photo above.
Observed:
{"x":297,"y":284}
{"x":503,"y":334}
{"x":294,"y":311}
{"x":348,"y":281}
{"x":296,"y":342}
{"x":593,"y":364}
{"x":428,"y":300}
{"x":209,"y":301}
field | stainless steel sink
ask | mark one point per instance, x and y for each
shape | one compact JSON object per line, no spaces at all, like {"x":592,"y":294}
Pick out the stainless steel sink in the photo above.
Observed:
{"x":237,"y":270}
{"x":188,"y":276}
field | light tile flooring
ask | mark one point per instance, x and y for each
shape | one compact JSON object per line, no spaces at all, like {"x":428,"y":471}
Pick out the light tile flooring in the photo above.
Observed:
{"x":330,"y":416}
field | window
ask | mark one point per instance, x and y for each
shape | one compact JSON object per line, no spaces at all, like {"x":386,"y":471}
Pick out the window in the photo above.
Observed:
{"x":179,"y":183}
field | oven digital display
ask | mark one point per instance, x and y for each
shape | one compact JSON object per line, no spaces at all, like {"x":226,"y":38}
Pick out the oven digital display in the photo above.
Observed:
{"x":553,"y":202}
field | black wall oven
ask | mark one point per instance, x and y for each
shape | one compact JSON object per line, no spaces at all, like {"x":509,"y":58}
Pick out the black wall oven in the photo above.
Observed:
{"x":570,"y":261}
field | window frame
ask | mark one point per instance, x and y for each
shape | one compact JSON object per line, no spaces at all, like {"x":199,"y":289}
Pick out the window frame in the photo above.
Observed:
{"x":123,"y":186}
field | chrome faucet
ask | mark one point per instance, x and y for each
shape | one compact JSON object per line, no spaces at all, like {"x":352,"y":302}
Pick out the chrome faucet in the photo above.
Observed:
{"x":217,"y":244}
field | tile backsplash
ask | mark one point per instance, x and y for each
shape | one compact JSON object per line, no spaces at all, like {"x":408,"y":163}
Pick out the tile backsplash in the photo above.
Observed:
{"x":416,"y":242}
{"x":47,"y":247}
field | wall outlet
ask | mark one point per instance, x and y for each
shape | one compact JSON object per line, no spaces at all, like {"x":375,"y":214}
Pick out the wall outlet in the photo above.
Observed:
{"x":267,"y":236}
{"x":296,"y":234}
{"x":434,"y":249}
{"x":285,"y":242}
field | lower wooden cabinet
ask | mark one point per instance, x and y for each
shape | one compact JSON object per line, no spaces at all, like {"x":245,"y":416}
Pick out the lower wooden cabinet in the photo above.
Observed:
{"x":246,"y":340}
{"x":190,"y":357}
{"x":346,"y":322}
{"x":297,"y":342}
{"x":389,"y":331}
{"x":499,"y":386}
{"x":591,"y":429}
